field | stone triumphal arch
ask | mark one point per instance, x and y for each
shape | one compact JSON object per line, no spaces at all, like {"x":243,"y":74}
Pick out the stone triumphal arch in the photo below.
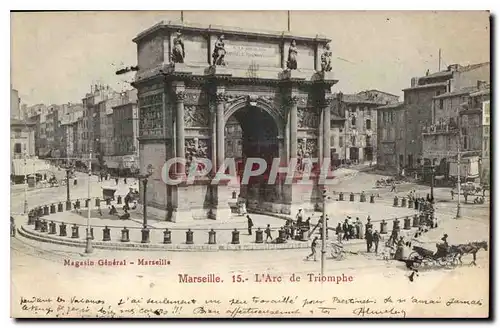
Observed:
{"x":192,"y":81}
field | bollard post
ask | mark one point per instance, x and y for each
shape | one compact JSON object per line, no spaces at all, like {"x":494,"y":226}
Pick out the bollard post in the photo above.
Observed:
{"x":395,"y":201}
{"x":45,"y":210}
{"x":68,"y":205}
{"x":396,"y":225}
{"x":372,"y":199}
{"x":383,"y":227}
{"x":52,"y":228}
{"x":125,"y":235}
{"x":106,"y":235}
{"x":281,"y":235}
{"x":52,"y":208}
{"x":211,"y":237}
{"x":351,"y":197}
{"x":236,"y":237}
{"x":31,"y":218}
{"x":258,"y":236}
{"x":189,"y":237}
{"x":60,"y":207}
{"x":341,"y":196}
{"x":119,"y":200}
{"x":167,"y":236}
{"x":415,"y":221}
{"x":62,"y":230}
{"x":145,"y":235}
{"x":403,"y":202}
{"x":75,"y":232}
{"x":43,"y":226}
{"x":362,"y":198}
{"x":407,"y":223}
{"x":97,"y":202}
{"x":38,"y":224}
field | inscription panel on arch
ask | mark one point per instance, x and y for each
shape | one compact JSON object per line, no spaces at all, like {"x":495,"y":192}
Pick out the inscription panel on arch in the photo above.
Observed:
{"x":258,"y":54}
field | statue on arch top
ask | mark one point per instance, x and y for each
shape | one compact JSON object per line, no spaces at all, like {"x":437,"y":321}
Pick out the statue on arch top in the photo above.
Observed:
{"x":326,"y":59}
{"x":292,"y":56}
{"x":219,"y":52}
{"x":178,"y":53}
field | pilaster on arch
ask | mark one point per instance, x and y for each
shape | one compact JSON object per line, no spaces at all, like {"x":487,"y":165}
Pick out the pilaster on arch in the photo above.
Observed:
{"x":244,"y":101}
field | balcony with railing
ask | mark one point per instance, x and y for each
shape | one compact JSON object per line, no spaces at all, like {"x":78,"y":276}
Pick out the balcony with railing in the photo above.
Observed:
{"x":440,"y":128}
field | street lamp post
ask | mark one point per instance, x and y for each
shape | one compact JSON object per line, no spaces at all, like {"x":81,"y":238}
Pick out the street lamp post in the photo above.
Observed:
{"x":323,"y":235}
{"x":433,"y":170}
{"x":88,"y":245}
{"x":145,"y":230}
{"x":25,"y":186}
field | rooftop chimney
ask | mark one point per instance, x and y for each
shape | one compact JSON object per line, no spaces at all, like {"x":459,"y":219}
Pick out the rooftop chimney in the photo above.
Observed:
{"x":414,"y":82}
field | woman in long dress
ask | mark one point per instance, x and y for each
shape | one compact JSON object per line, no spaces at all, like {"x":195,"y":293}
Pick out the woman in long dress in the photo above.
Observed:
{"x":242,"y":208}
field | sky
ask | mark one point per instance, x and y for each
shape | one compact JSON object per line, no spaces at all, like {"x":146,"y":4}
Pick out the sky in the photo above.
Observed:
{"x":55,"y":57}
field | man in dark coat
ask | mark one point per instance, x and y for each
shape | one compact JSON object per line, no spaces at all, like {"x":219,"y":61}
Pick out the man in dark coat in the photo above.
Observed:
{"x":345,"y":228}
{"x":250,"y":225}
{"x":369,"y":240}
{"x":268,"y":233}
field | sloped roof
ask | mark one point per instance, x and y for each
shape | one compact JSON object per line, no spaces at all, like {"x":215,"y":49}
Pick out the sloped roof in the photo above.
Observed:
{"x":15,"y":121}
{"x":430,"y":85}
{"x":391,"y":106}
{"x":457,"y":92}
{"x":360,"y":99}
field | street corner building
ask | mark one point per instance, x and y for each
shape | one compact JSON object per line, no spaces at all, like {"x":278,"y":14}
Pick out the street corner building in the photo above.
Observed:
{"x":197,"y":85}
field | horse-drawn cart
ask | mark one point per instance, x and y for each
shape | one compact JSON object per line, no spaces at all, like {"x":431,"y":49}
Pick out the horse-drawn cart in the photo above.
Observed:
{"x":426,"y":257}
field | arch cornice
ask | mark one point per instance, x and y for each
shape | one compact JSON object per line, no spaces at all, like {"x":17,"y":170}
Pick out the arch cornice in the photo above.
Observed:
{"x":264,"y":104}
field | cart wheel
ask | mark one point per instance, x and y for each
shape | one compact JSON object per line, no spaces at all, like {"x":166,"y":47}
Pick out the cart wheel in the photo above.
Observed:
{"x":443,"y":261}
{"x":417,"y":258}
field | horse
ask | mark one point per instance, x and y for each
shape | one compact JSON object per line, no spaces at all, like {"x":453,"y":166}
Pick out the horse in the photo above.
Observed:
{"x":470,"y":248}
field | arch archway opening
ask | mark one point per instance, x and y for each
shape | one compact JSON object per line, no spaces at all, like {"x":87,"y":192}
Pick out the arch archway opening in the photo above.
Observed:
{"x":251,"y":132}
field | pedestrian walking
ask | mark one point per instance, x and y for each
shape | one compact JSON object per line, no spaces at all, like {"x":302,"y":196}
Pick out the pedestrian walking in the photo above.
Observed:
{"x":357,"y":226}
{"x":313,"y":249}
{"x":369,"y":224}
{"x":116,"y":180}
{"x":393,"y":187}
{"x":268,"y":233}
{"x":125,"y":180}
{"x":369,"y":240}
{"x":452,"y":194}
{"x":250,"y":225}
{"x":376,"y":239}
{"x":338,"y":231}
{"x":300,"y":216}
{"x":345,"y":230}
